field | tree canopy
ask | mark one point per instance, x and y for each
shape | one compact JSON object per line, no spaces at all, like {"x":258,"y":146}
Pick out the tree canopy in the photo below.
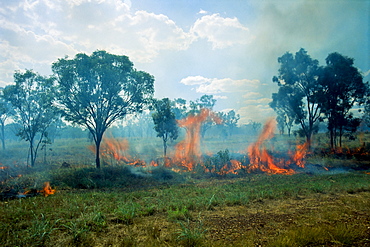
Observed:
{"x":298,"y":82}
{"x":32,"y":98}
{"x":165,"y":122}
{"x":97,"y":90}
{"x":342,"y":87}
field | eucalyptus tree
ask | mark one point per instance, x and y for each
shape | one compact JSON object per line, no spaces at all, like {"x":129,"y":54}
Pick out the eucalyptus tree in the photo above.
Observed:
{"x":342,"y":88}
{"x":32,"y":98}
{"x":165,"y":122}
{"x":298,"y":79}
{"x":97,"y":90}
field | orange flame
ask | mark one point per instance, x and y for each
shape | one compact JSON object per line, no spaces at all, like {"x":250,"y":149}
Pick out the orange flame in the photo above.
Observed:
{"x":47,"y":190}
{"x":260,"y":159}
{"x":188,"y":151}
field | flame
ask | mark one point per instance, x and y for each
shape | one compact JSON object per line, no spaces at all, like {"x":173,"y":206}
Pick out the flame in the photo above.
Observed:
{"x":115,"y":148}
{"x":188,"y":154}
{"x":232,"y":167}
{"x":47,"y":190}
{"x":261,"y":159}
{"x":188,"y":151}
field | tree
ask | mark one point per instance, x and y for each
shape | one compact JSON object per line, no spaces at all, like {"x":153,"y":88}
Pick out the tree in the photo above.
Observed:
{"x":5,"y":112}
{"x":230,"y":120}
{"x":165,"y":122}
{"x":32,"y":98}
{"x":206,"y":101}
{"x":366,"y":115}
{"x":284,"y":104}
{"x":97,"y":90}
{"x":179,"y":108}
{"x":298,"y":75}
{"x":342,"y":88}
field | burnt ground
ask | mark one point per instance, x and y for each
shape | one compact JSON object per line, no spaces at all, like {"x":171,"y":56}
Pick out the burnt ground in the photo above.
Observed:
{"x":319,"y":220}
{"x":264,"y":221}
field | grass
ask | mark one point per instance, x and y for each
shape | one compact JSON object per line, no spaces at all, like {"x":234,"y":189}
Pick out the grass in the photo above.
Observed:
{"x":124,"y":206}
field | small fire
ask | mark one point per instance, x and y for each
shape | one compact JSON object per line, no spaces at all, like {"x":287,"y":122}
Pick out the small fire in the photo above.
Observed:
{"x":261,"y":159}
{"x":47,"y":190}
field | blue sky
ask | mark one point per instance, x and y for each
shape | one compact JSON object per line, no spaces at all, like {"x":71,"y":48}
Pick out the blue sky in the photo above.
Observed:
{"x":227,"y":48}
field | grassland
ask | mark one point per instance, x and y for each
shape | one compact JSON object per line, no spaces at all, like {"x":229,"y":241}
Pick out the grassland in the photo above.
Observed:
{"x":121,"y":206}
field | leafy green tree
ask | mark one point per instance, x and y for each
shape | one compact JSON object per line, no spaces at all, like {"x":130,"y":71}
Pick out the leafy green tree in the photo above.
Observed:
{"x":97,"y":90}
{"x":165,"y":122}
{"x":5,"y":112}
{"x":32,"y":98}
{"x":342,"y":88}
{"x":298,"y":75}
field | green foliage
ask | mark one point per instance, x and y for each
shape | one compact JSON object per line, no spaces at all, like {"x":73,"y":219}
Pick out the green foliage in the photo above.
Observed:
{"x":32,"y":99}
{"x":97,"y":90}
{"x":343,"y":87}
{"x":164,"y":122}
{"x":298,"y":87}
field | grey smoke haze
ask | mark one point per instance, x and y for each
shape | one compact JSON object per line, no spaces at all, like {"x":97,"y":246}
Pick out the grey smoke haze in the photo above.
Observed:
{"x":225,"y":48}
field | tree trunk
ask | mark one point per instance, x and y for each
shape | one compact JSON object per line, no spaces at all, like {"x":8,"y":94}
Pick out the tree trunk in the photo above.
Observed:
{"x":97,"y":144}
{"x":3,"y":134}
{"x":32,"y":153}
{"x":165,"y":148}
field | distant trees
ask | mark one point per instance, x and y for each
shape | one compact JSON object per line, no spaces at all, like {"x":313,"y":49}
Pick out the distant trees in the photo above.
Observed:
{"x":229,"y":120}
{"x":164,"y":122}
{"x":97,"y":90}
{"x":309,"y":93}
{"x":32,"y":98}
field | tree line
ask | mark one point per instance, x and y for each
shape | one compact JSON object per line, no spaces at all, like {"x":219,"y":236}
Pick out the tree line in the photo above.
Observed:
{"x":92,"y":92}
{"x":309,"y":93}
{"x":98,"y":90}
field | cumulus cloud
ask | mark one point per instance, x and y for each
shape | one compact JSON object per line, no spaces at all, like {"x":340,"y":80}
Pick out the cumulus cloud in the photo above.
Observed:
{"x":46,"y":30}
{"x":221,"y":32}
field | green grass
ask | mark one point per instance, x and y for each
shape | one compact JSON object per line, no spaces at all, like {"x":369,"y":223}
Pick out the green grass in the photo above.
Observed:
{"x":122,"y":206}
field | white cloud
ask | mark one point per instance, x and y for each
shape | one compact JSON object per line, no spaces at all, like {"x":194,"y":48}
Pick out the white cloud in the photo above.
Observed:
{"x":202,"y":12}
{"x":257,"y":113}
{"x":195,"y":80}
{"x":43,"y":31}
{"x":221,"y":32}
{"x":215,"y":85}
{"x":264,"y":101}
{"x":252,"y":95}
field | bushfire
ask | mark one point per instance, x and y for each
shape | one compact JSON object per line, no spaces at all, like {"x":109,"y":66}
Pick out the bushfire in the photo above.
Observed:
{"x":187,"y":154}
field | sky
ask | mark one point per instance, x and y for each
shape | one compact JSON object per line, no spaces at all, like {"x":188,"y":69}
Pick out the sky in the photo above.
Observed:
{"x":225,"y":48}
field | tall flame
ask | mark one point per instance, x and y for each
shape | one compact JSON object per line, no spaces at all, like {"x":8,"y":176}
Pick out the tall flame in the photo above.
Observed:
{"x":261,"y":159}
{"x":188,"y":151}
